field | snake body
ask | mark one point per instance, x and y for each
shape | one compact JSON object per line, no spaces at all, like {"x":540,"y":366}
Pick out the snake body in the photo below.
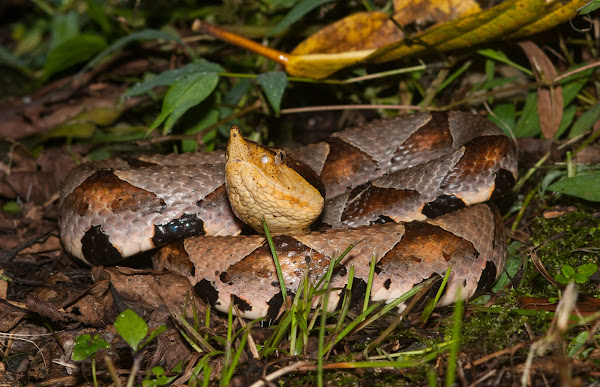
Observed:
{"x":426,"y":172}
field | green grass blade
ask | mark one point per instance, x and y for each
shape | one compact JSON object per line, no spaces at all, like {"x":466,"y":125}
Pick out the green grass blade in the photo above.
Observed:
{"x":276,"y":260}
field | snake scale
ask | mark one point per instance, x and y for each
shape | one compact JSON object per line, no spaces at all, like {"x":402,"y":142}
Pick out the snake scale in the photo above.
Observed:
{"x":409,"y":190}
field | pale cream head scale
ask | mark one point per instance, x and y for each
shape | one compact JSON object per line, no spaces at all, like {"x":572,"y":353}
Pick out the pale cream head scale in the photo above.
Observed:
{"x":264,"y":182}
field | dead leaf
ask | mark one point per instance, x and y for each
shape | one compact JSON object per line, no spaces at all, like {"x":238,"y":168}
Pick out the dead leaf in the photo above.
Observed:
{"x":549,"y":98}
{"x":424,"y":12}
{"x":341,"y":45}
{"x":36,"y":180}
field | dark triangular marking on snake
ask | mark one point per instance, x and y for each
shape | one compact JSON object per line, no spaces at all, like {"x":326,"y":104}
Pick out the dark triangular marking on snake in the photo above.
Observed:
{"x":184,"y":226}
{"x":487,"y":278}
{"x":206,"y":292}
{"x":97,"y":249}
{"x":505,"y":180}
{"x":241,"y":304}
{"x":275,"y":304}
{"x":443,"y":204}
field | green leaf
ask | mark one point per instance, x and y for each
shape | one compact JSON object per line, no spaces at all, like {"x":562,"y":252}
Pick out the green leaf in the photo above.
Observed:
{"x":273,"y":84}
{"x":155,"y":333}
{"x":71,"y":52}
{"x":8,"y":59}
{"x":97,"y":14}
{"x":582,"y":186}
{"x":185,"y":93}
{"x":131,"y":327}
{"x":568,"y":271}
{"x":567,"y":119}
{"x":64,"y":26}
{"x":117,"y":45}
{"x":580,"y":278}
{"x":504,"y":115}
{"x":85,"y":346}
{"x":529,"y":123}
{"x":572,"y":88}
{"x":501,"y":57}
{"x":585,"y":121}
{"x":12,"y":208}
{"x":590,"y":7}
{"x":561,"y":279}
{"x":75,"y":130}
{"x":296,"y":13}
{"x":577,"y":343}
{"x":169,"y":77}
{"x":588,"y":269}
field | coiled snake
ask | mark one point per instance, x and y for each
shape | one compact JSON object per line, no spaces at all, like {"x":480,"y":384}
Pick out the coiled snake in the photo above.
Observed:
{"x":430,"y":173}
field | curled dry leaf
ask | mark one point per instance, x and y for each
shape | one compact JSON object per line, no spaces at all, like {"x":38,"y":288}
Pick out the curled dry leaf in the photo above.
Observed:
{"x":373,"y":37}
{"x":549,"y":97}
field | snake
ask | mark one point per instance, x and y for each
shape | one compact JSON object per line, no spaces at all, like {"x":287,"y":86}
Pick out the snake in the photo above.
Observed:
{"x":411,"y":193}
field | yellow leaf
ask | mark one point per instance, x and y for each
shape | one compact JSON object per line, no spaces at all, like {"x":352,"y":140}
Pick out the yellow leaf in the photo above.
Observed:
{"x":556,"y":13}
{"x":372,"y":37}
{"x":357,"y":32}
{"x":470,"y":30}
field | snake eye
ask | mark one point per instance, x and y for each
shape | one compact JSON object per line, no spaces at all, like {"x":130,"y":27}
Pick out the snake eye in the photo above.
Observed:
{"x":280,"y":157}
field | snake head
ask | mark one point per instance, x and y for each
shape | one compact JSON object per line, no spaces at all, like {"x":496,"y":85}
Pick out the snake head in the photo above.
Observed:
{"x":265,"y":182}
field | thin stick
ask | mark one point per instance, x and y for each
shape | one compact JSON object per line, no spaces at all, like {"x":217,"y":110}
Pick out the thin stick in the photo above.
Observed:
{"x":309,"y":109}
{"x":240,"y":41}
{"x":280,"y":372}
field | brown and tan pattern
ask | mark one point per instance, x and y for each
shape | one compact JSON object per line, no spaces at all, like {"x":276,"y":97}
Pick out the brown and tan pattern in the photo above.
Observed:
{"x":425,"y":171}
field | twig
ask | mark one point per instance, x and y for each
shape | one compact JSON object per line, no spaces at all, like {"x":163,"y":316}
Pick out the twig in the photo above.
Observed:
{"x":281,"y":372}
{"x":353,"y":107}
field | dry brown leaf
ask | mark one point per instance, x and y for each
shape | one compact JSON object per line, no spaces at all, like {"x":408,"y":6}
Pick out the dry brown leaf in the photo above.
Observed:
{"x":422,"y":12}
{"x":549,"y":98}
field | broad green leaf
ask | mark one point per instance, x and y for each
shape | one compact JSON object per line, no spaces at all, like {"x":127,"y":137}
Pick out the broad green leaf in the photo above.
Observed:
{"x":583,"y":186}
{"x":504,"y":115}
{"x":64,"y":26}
{"x":97,"y":14}
{"x":585,"y":121}
{"x":588,"y":269}
{"x":296,"y":13}
{"x":131,"y":327}
{"x":85,"y":346}
{"x":208,"y":117}
{"x":273,"y":84}
{"x":567,"y":119}
{"x":185,"y":93}
{"x":580,"y":278}
{"x":71,"y":52}
{"x":590,"y":7}
{"x":169,"y":77}
{"x":567,"y":271}
{"x":572,"y":88}
{"x":529,"y":123}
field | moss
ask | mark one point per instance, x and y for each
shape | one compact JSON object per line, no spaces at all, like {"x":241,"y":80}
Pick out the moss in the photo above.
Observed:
{"x":491,"y":329}
{"x":572,"y":239}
